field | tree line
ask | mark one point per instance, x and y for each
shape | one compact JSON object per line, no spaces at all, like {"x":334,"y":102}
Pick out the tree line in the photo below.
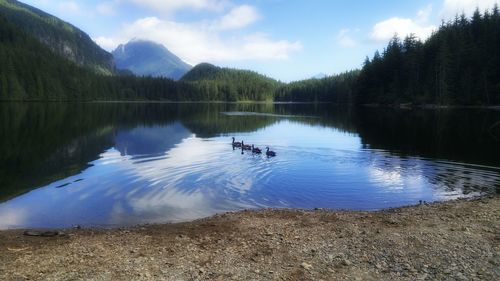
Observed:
{"x":459,"y":64}
{"x":30,"y":71}
{"x":60,"y":37}
{"x":337,"y":89}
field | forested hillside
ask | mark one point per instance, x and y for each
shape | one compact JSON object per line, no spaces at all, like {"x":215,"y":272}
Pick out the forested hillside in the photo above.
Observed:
{"x":61,"y":37}
{"x":29,"y":70}
{"x":338,"y":89}
{"x":459,"y":64}
{"x":210,"y":82}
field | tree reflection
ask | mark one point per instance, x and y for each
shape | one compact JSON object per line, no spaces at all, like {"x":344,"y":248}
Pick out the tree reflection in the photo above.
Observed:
{"x":41,"y":143}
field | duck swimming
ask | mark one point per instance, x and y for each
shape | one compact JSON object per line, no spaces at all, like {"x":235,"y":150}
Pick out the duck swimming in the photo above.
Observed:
{"x":270,"y":153}
{"x":245,"y":146}
{"x":256,"y":150}
{"x":236,"y":144}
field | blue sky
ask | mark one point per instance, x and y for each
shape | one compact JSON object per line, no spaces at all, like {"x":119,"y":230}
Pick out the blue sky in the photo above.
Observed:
{"x":284,"y":39}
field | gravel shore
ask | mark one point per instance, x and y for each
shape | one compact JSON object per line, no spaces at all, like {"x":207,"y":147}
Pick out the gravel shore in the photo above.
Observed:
{"x":456,"y":240}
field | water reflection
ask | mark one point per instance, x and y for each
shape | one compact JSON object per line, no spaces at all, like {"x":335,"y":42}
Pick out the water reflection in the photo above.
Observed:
{"x":150,"y":141}
{"x":127,"y":164}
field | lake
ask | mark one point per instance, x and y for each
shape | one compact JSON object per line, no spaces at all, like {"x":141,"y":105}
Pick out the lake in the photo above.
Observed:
{"x":111,"y":165}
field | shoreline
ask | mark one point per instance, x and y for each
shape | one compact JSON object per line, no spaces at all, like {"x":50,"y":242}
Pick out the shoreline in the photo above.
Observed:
{"x":456,"y":240}
{"x":68,"y":229}
{"x":402,"y":106}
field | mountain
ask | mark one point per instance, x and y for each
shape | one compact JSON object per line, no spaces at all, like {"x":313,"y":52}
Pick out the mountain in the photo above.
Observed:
{"x":146,"y":58}
{"x":226,"y":84}
{"x":31,"y":71}
{"x":61,"y":37}
{"x":203,"y":71}
{"x":33,"y":68}
{"x":206,"y":71}
{"x":320,"y":75}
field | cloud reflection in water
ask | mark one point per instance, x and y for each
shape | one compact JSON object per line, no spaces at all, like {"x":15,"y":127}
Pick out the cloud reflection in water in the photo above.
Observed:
{"x":166,"y":173}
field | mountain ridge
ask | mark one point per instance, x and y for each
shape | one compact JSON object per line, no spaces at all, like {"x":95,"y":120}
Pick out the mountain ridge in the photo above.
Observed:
{"x":222,"y":83}
{"x":208,"y":71}
{"x":148,"y":58}
{"x":61,"y":37}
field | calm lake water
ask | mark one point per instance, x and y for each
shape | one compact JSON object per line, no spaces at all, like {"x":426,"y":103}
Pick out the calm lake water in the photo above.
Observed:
{"x":111,"y":165}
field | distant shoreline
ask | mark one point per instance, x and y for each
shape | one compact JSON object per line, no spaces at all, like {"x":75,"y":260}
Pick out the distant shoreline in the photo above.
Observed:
{"x":395,"y":106}
{"x":447,"y":240}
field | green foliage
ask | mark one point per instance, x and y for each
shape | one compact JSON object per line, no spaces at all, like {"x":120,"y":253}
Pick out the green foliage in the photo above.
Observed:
{"x":30,"y":71}
{"x":458,"y":64}
{"x":61,"y":37}
{"x":208,"y":82}
{"x":336,"y":89}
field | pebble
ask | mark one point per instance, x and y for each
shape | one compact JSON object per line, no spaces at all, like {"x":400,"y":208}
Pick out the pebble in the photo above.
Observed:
{"x":346,"y":262}
{"x":433,"y":249}
{"x":306,"y":266}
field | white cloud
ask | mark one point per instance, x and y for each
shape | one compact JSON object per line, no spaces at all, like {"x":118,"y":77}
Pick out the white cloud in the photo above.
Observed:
{"x":106,"y":43}
{"x":238,"y":17}
{"x":44,"y":2}
{"x":344,"y":39}
{"x":173,"y":5}
{"x":107,"y":8}
{"x":454,"y":7}
{"x":69,"y":6}
{"x":260,"y":46}
{"x":424,"y":14}
{"x":199,"y":42}
{"x":385,"y":30}
{"x":420,"y":26}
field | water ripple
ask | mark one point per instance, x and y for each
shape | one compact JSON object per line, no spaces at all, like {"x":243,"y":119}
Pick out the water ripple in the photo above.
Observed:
{"x":198,"y":177}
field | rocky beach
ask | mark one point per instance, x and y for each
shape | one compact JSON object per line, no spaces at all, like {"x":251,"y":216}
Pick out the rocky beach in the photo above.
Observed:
{"x":455,"y":240}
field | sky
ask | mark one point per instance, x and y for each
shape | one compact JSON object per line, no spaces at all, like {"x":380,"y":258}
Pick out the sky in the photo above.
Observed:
{"x":284,"y":39}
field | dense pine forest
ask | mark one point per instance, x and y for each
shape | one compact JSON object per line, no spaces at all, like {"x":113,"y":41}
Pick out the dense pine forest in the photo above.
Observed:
{"x":30,"y":71}
{"x":337,"y":89}
{"x":457,"y":65}
{"x":61,"y":37}
{"x":210,"y":82}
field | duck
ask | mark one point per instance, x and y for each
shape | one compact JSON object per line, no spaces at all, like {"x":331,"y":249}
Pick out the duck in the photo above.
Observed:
{"x":256,"y":150}
{"x":236,"y":144}
{"x":270,"y":153}
{"x":245,"y":146}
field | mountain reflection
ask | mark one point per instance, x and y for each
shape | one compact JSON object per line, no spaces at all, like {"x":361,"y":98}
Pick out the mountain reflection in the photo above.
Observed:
{"x":119,"y":164}
{"x":128,"y":192}
{"x":149,"y":141}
